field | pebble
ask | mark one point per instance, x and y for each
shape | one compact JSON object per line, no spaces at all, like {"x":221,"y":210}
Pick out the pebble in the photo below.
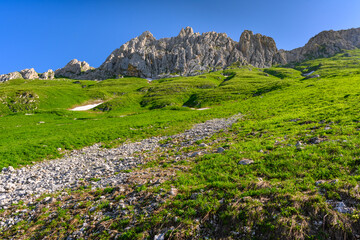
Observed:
{"x":98,"y":166}
{"x":220,"y":150}
{"x":246,"y":162}
{"x":173,"y":191}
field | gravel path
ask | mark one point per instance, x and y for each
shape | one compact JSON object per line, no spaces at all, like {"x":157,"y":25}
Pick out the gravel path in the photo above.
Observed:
{"x":101,"y":167}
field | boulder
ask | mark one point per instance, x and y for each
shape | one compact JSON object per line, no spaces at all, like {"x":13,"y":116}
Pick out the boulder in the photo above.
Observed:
{"x":246,"y":162}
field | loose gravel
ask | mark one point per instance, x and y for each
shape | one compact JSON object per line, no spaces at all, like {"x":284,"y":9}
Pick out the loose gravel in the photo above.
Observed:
{"x":98,"y":166}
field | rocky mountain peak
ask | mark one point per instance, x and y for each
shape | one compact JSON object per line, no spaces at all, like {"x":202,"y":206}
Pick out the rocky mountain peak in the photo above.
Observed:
{"x":258,"y":49}
{"x":325,"y":44}
{"x":147,"y":35}
{"x":190,"y":53}
{"x":186,"y":32}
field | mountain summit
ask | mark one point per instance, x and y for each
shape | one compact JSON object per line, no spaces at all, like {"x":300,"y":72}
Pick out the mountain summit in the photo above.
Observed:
{"x":192,"y":53}
{"x":187,"y":54}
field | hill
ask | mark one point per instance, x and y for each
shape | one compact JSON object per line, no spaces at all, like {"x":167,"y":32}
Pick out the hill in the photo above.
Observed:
{"x":280,"y":160}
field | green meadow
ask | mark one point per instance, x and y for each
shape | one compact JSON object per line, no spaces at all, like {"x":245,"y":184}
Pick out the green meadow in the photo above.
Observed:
{"x":297,"y":131}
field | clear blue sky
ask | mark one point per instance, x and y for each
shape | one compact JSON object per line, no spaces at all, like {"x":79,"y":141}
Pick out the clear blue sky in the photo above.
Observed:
{"x":48,"y":34}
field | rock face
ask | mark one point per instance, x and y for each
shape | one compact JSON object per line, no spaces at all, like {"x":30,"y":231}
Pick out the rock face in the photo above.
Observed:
{"x":192,"y":53}
{"x":187,"y":54}
{"x":10,"y":76}
{"x":29,"y":74}
{"x":49,"y":74}
{"x":258,"y":50}
{"x":74,"y":69}
{"x":325,"y":44}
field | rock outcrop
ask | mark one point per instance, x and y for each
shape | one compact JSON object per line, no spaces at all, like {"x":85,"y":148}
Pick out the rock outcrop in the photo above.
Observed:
{"x":49,"y":74}
{"x":74,"y":69}
{"x":29,"y":73}
{"x":325,"y":44}
{"x":258,"y":50}
{"x":192,"y":53}
{"x":10,"y":76}
{"x":187,"y":54}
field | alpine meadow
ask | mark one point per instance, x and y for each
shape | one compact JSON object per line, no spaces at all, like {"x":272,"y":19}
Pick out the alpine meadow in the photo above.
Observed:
{"x":196,"y":136}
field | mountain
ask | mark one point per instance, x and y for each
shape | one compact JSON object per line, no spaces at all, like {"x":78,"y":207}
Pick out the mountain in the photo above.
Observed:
{"x":187,"y":54}
{"x":325,"y":44}
{"x":192,"y":53}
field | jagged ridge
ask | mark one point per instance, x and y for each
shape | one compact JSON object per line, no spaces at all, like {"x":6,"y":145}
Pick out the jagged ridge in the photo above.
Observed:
{"x":192,"y":53}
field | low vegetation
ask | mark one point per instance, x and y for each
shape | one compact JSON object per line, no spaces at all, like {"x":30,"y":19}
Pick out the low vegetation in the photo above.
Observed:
{"x":302,"y":135}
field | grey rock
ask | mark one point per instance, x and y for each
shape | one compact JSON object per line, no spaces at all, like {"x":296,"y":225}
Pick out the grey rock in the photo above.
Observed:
{"x":187,"y":54}
{"x":48,"y":200}
{"x":315,"y":140}
{"x":319,"y":182}
{"x":160,"y":236}
{"x":220,"y":150}
{"x":192,"y":53}
{"x":246,"y":162}
{"x":74,"y":69}
{"x":325,"y":44}
{"x":194,"y":154}
{"x":10,"y":76}
{"x":106,"y":165}
{"x":257,"y":49}
{"x":342,"y":208}
{"x":173,"y":191}
{"x":49,"y":74}
{"x":29,"y":73}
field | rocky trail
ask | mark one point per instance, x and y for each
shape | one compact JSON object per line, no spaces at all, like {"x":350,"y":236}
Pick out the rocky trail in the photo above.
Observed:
{"x":97,"y":168}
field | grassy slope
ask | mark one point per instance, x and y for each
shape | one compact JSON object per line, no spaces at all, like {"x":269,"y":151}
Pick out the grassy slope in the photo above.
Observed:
{"x":274,"y":198}
{"x":277,"y":197}
{"x":130,"y":103}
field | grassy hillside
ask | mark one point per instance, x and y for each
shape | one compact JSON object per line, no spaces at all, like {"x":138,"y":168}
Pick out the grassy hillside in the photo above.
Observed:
{"x":36,"y":121}
{"x":302,"y":134}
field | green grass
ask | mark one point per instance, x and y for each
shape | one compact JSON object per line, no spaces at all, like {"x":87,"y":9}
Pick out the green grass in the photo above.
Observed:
{"x":36,"y":121}
{"x":277,"y":197}
{"x":264,"y":200}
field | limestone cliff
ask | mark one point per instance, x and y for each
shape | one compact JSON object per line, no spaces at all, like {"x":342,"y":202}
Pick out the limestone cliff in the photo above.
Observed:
{"x":192,"y":53}
{"x":187,"y":54}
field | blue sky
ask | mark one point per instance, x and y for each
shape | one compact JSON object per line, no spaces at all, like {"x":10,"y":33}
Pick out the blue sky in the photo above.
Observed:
{"x":48,"y":34}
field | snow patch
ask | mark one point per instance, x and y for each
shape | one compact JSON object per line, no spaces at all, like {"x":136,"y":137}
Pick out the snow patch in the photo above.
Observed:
{"x":85,"y":107}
